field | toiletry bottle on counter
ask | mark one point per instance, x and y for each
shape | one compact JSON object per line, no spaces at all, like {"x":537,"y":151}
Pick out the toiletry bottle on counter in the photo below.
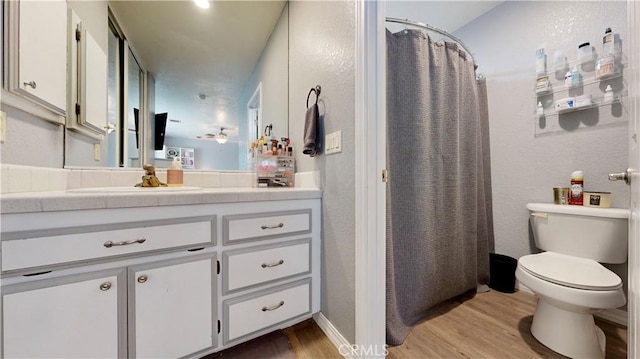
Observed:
{"x":577,"y":186}
{"x":175,"y":174}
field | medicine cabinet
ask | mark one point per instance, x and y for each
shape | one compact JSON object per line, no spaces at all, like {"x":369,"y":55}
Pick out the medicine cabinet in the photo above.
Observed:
{"x":35,"y":57}
{"x":87,"y":81}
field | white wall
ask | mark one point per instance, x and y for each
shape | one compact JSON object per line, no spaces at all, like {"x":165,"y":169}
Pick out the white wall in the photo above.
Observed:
{"x":31,"y":141}
{"x":322,"y":52}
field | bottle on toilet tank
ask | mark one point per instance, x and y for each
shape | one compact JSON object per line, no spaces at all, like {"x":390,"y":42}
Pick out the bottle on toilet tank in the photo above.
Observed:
{"x":577,"y":188}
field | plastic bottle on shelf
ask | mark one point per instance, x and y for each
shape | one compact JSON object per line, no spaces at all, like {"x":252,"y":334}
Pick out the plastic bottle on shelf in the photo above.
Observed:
{"x":540,"y":109}
{"x":568,"y":79}
{"x":608,"y":94}
{"x":575,"y":77}
{"x":608,"y":42}
{"x":541,"y":62}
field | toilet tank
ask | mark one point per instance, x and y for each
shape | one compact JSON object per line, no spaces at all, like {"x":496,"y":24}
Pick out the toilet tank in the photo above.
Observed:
{"x":595,"y":233}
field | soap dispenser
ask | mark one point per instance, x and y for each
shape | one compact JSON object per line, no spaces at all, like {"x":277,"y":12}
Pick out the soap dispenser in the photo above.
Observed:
{"x":175,"y":173}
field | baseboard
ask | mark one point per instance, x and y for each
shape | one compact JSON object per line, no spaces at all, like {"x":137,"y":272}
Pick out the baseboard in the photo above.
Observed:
{"x":334,"y":335}
{"x":617,"y":316}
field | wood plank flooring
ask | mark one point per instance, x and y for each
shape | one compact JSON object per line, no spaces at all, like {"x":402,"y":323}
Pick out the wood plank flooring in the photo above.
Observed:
{"x":487,"y":325}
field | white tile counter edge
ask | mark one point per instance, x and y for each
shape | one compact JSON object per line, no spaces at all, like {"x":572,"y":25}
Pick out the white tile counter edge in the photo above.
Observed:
{"x":67,"y":201}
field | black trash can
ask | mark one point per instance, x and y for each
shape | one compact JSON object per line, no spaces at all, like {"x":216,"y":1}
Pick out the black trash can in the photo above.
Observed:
{"x":502,"y":273}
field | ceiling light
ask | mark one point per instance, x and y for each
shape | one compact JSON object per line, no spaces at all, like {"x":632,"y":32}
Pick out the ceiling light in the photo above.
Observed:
{"x":203,"y":4}
{"x":221,"y":138}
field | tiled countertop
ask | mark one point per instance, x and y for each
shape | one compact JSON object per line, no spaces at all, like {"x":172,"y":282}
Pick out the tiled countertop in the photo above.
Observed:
{"x":70,"y":200}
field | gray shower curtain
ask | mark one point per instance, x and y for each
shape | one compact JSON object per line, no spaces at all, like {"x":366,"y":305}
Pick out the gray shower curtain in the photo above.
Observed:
{"x":439,"y":224}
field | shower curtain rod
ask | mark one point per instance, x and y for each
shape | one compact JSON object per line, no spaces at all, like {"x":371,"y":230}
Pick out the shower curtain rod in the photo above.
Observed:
{"x":434,"y":29}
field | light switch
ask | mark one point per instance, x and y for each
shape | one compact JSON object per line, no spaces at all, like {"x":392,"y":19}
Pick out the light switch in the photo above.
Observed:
{"x":333,"y":142}
{"x":96,"y":152}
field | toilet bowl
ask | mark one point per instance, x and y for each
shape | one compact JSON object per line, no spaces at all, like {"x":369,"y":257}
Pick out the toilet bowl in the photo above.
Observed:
{"x":568,"y":279}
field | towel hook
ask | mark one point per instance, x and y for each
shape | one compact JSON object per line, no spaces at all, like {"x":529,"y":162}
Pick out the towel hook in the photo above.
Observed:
{"x":317,"y":90}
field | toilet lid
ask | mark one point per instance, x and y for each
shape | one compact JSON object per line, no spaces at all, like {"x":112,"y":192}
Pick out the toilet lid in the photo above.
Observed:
{"x":570,"y":271}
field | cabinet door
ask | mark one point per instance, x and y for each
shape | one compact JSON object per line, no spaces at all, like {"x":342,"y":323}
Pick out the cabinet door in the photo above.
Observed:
{"x":75,"y":317}
{"x":171,"y":307}
{"x":43,"y":51}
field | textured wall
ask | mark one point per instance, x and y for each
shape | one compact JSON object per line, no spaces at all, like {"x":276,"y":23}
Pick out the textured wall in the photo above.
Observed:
{"x":525,"y":167}
{"x":322,"y":52}
{"x":32,"y":141}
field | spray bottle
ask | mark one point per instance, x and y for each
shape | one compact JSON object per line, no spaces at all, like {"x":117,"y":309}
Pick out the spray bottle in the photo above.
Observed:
{"x":577,"y":187}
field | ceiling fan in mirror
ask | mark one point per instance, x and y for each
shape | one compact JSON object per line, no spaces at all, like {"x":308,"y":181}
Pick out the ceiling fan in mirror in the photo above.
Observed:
{"x":221,"y":137}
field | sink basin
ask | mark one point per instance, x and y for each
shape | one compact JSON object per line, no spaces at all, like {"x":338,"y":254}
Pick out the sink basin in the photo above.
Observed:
{"x":133,"y":189}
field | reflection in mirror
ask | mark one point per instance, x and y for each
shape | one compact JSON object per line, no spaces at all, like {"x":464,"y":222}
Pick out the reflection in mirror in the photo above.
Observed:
{"x":112,"y":95}
{"x":134,"y":118}
{"x":207,"y":65}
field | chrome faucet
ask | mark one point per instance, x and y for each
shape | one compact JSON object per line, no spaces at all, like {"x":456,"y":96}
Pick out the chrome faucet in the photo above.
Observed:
{"x":150,"y":179}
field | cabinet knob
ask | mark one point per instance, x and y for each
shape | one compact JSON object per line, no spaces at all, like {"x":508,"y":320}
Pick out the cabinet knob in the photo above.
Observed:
{"x":105,"y":286}
{"x":143,"y":278}
{"x":31,"y":84}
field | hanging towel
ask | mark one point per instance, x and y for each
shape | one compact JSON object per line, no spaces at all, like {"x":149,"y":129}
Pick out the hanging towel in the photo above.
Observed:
{"x":311,"y":131}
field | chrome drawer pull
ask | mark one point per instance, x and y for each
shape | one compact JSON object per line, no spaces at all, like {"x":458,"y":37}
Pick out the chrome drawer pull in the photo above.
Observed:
{"x":110,"y":244}
{"x":265,"y":309}
{"x":265,"y":265}
{"x":105,"y":286}
{"x":279,"y":225}
{"x":31,"y":84}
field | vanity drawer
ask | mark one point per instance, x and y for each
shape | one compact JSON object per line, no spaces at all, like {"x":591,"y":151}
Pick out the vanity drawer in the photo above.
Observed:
{"x":251,"y":313}
{"x":250,"y":267}
{"x":256,"y":226}
{"x":66,"y":246}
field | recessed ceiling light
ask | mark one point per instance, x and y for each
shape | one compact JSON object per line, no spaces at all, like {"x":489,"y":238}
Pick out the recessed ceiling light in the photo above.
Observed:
{"x":204,"y":4}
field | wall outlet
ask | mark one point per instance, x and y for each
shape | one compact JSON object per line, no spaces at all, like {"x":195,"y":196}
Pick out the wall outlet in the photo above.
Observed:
{"x":333,"y":142}
{"x":3,"y":127}
{"x":96,"y":152}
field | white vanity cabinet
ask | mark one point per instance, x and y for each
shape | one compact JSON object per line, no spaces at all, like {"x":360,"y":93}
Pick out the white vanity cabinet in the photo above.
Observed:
{"x":270,"y":269}
{"x":36,"y":55}
{"x":154,"y":282}
{"x":171,"y":308}
{"x":93,"y":284}
{"x":69,"y":317}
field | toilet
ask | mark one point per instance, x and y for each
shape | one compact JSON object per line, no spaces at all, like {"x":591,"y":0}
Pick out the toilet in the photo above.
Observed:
{"x":567,"y":277}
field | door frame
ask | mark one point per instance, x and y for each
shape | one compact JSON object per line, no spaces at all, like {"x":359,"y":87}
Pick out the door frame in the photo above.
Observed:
{"x":370,"y":190}
{"x":633,"y":307}
{"x":370,"y":161}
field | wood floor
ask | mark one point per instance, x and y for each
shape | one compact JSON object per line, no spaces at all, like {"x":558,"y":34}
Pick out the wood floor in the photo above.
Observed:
{"x":487,"y":325}
{"x":490,"y":325}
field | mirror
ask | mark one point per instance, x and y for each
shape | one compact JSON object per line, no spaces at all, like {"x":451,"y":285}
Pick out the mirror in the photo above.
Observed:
{"x":207,"y":65}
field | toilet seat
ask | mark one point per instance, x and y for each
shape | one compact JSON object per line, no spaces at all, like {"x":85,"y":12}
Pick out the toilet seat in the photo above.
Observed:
{"x":569,"y":271}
